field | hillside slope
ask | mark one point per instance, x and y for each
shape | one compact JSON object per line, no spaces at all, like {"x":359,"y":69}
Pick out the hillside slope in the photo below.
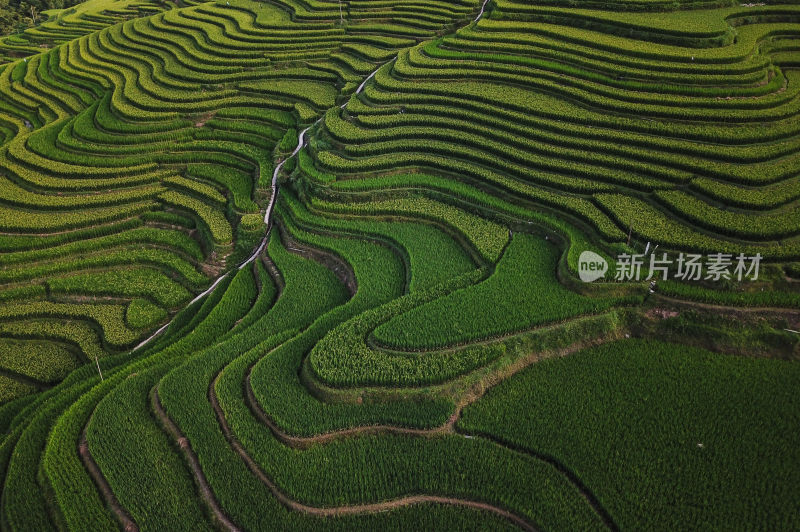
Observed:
{"x":259,"y":257}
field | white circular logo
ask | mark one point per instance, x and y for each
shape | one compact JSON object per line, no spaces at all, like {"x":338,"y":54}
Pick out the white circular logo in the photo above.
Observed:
{"x":591,"y":266}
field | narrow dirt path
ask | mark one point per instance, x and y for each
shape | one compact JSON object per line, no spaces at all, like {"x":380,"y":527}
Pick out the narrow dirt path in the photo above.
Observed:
{"x":482,"y":11}
{"x":302,"y":142}
{"x":304,"y":442}
{"x":100,"y":481}
{"x":449,"y":427}
{"x":586,"y":493}
{"x":729,"y":309}
{"x":355,"y":509}
{"x":340,"y":268}
{"x":205,"y":490}
{"x":194,"y":464}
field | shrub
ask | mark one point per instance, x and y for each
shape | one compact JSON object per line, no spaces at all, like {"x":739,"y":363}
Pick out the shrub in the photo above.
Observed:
{"x":142,"y":314}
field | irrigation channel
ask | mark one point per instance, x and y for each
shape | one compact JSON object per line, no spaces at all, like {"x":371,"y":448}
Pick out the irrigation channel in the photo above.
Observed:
{"x":302,"y":142}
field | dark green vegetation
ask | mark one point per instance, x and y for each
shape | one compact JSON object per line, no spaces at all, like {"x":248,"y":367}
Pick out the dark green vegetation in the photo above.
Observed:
{"x":521,"y":293}
{"x":313,"y":352}
{"x":668,"y":437}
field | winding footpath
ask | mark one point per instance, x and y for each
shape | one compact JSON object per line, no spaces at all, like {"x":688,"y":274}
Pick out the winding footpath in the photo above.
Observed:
{"x":297,"y":442}
{"x":470,"y":396}
{"x":302,"y":142}
{"x":128,"y":525}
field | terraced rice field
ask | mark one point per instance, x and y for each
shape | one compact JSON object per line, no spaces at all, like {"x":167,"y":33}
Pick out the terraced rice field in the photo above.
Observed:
{"x":310,"y":264}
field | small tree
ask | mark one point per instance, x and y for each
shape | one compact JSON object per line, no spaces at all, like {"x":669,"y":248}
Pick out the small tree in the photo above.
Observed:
{"x":8,"y":18}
